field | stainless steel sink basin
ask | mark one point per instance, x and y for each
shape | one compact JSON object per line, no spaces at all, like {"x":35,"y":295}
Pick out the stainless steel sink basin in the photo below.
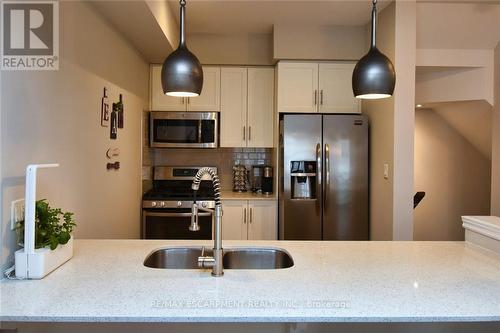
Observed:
{"x":175,"y":257}
{"x":234,"y":258}
{"x":256,"y":258}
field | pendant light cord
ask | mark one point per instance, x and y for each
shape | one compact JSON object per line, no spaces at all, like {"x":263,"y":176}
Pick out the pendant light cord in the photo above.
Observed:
{"x":182,"y":39}
{"x":374,"y":24}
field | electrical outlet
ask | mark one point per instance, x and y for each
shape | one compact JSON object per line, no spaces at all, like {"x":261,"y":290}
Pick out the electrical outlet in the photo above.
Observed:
{"x":16,"y":212}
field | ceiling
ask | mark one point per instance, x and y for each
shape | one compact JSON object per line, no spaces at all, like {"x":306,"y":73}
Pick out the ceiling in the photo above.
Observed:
{"x":259,"y":16}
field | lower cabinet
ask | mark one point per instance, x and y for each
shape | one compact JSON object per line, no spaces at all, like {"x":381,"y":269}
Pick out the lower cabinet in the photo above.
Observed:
{"x":250,"y":219}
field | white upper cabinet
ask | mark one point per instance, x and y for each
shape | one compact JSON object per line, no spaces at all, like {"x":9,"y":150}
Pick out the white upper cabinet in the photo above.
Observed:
{"x":335,"y":88}
{"x":160,"y":101}
{"x":297,"y":86}
{"x":316,"y":87}
{"x":260,"y":120}
{"x":247,"y":107}
{"x":209,"y":100}
{"x":233,"y":117}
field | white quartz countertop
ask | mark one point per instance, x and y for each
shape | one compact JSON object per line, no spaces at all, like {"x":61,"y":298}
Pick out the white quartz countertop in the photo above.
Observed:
{"x":330,"y":282}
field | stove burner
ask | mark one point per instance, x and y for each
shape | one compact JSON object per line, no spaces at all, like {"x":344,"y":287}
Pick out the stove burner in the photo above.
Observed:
{"x":171,"y":186}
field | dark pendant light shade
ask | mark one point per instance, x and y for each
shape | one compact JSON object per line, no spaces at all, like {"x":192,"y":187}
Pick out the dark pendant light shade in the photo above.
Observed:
{"x":374,"y":76}
{"x":181,"y":73}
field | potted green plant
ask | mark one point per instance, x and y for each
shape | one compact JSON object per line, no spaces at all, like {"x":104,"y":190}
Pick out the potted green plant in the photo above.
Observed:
{"x":53,"y":227}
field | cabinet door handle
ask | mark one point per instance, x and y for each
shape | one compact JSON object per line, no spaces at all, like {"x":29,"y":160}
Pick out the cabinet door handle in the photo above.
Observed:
{"x":321,"y":97}
{"x":244,"y":132}
{"x":251,"y":215}
{"x":182,"y":100}
{"x":189,"y":100}
{"x":244,"y":216}
{"x":315,"y":97}
{"x":249,"y":133}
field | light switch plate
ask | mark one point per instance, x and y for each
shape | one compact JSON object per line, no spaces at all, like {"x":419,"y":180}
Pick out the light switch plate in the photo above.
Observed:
{"x":16,"y":212}
{"x":386,"y":171}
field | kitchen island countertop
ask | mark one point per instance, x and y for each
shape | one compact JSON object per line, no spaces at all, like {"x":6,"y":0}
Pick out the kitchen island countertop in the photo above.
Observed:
{"x":330,"y":282}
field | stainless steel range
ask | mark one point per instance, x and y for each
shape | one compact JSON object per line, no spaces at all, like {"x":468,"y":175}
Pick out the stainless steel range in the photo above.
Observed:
{"x":166,"y":207}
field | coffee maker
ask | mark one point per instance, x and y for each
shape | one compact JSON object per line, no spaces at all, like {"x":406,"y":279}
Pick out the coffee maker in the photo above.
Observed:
{"x":256,"y":178}
{"x":267,"y":180}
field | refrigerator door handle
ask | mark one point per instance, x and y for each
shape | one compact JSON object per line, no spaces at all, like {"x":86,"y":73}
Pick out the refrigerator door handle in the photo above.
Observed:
{"x":327,"y":173}
{"x":318,"y":171}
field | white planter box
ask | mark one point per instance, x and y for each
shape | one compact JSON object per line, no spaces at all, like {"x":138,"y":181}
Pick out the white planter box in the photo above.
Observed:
{"x":43,"y":261}
{"x":483,"y":231}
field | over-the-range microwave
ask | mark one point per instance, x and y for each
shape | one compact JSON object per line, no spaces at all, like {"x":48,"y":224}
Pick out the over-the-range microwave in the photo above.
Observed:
{"x":183,"y":129}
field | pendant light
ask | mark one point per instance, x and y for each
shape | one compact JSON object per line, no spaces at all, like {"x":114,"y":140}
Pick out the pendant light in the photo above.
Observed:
{"x":374,"y":76}
{"x":181,"y":74}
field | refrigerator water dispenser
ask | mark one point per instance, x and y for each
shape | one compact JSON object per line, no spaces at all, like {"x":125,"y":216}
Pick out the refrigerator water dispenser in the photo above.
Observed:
{"x":303,"y":178}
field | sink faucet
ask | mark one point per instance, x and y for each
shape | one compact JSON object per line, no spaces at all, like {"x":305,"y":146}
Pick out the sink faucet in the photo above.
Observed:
{"x":215,"y":262}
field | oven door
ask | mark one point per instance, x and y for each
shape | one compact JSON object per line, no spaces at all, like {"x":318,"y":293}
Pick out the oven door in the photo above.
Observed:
{"x":174,"y":224}
{"x":183,"y":129}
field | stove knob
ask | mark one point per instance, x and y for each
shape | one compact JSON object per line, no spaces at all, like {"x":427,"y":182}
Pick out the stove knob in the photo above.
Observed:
{"x":153,"y":204}
{"x":204,"y":204}
{"x":162,"y":204}
{"x":179,"y":203}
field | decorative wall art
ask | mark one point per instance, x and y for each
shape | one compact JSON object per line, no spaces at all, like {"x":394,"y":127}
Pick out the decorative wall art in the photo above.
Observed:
{"x":105,"y":109}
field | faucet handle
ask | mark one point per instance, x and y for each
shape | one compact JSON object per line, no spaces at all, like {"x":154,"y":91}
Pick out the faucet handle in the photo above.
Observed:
{"x":205,"y":261}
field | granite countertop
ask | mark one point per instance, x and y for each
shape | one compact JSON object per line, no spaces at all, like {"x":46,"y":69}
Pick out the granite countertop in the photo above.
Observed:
{"x":330,"y":282}
{"x":230,"y":195}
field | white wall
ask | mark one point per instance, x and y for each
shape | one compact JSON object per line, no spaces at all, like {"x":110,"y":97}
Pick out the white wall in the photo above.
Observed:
{"x":495,"y":159}
{"x":454,"y":174}
{"x":54,"y":116}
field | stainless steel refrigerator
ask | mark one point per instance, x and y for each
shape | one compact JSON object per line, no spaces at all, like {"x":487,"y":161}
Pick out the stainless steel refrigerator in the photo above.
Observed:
{"x":323,"y":190}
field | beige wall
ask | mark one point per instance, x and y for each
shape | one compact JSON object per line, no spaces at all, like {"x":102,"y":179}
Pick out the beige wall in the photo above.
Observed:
{"x":54,"y":116}
{"x":450,"y":84}
{"x":381,"y":114}
{"x":454,"y":175}
{"x":404,"y":119}
{"x":319,"y":42}
{"x":445,"y":75}
{"x":251,"y":49}
{"x":391,"y":120}
{"x":286,"y":42}
{"x":495,"y":174}
{"x":472,"y":120}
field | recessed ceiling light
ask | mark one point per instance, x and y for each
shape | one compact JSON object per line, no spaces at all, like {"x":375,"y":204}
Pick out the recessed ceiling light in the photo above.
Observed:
{"x":419,"y":105}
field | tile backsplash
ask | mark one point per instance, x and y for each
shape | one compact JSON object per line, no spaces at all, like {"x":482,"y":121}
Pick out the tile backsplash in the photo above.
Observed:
{"x":222,"y":158}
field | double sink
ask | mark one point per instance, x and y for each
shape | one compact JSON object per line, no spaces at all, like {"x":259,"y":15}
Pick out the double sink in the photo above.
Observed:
{"x":234,"y":258}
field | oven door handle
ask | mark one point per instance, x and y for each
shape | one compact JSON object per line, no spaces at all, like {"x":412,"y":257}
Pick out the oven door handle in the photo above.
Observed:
{"x":173,"y":214}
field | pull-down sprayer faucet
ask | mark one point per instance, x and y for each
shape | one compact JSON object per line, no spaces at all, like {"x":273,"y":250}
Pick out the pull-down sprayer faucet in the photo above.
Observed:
{"x":215,"y":262}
